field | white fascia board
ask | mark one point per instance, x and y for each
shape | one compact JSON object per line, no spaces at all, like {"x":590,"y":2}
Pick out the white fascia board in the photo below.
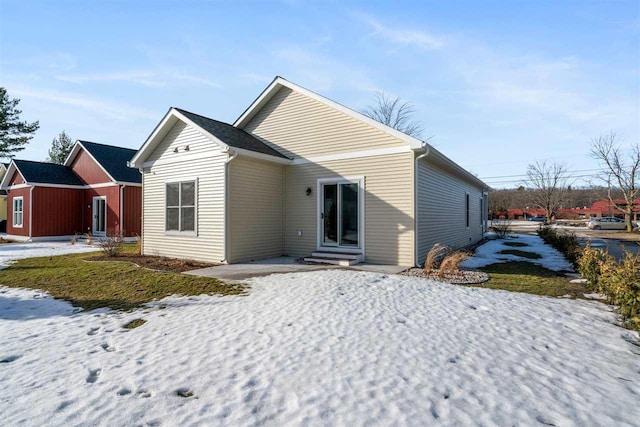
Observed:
{"x":150,"y":142}
{"x":261,"y":156}
{"x":128,"y":184}
{"x":73,"y":153}
{"x":279,"y":82}
{"x":7,"y":176}
{"x":161,"y":130}
{"x":44,"y":184}
{"x":444,"y":160}
{"x":352,"y":155}
{"x":80,"y":146}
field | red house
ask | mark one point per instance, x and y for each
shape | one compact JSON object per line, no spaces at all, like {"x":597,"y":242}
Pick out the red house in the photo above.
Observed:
{"x":93,"y":192}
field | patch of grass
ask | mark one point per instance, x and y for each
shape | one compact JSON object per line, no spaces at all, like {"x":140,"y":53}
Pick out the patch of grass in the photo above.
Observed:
{"x":117,"y":285}
{"x":523,"y":254}
{"x":515,"y":244}
{"x":522,"y":276}
{"x":134,"y":323}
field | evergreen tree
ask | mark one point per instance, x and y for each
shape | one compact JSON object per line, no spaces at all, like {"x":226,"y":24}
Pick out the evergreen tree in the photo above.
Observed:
{"x":14,"y":134}
{"x":60,"y":148}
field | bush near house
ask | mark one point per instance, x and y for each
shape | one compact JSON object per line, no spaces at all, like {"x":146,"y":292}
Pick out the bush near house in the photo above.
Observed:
{"x":618,"y":280}
{"x":564,"y":242}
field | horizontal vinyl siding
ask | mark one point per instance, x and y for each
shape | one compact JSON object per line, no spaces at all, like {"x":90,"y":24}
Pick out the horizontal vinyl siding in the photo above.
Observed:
{"x":388,"y":206}
{"x":441,"y":209}
{"x":255,"y":209}
{"x":299,"y":126}
{"x":178,"y":137}
{"x":208,"y":169}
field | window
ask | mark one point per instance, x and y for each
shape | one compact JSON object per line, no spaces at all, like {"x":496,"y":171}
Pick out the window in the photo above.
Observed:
{"x":18,"y":211}
{"x":181,"y":206}
{"x":467,"y":207}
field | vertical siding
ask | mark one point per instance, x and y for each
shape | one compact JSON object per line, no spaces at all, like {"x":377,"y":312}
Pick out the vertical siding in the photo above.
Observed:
{"x":255,"y":209}
{"x":299,"y":126}
{"x":88,"y":170}
{"x":388,"y":206}
{"x":16,"y":179}
{"x":56,"y":211}
{"x":441,"y":209}
{"x":205,"y":162}
{"x":132,"y":211}
{"x":22,"y":192}
{"x":112,"y":193}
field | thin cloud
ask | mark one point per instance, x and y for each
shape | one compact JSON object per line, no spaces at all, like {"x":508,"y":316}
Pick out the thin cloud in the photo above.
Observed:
{"x":105,"y":108}
{"x":144,"y":78}
{"x":149,"y":78}
{"x":402,"y":36}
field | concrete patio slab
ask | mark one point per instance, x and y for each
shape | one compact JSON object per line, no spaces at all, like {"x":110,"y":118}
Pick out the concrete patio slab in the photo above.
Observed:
{"x":281,"y":265}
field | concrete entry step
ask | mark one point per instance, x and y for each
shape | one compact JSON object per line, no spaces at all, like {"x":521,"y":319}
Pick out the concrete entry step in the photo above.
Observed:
{"x":340,"y":255}
{"x":335,"y":258}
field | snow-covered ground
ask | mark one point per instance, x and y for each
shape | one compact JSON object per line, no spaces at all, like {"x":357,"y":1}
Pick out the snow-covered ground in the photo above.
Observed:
{"x":323,"y":348}
{"x":489,"y":253}
{"x":14,"y":251}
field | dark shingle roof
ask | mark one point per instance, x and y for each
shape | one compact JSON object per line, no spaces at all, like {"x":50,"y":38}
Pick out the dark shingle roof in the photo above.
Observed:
{"x":47,"y":173}
{"x":231,"y":135}
{"x":114,"y":161}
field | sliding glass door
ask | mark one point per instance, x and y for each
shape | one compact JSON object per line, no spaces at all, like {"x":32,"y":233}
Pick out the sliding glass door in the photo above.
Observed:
{"x":340,"y":214}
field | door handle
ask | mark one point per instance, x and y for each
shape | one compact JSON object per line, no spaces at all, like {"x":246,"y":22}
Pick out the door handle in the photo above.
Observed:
{"x":321,"y":215}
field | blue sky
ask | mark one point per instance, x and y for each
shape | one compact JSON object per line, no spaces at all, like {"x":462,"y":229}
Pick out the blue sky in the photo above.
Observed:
{"x":496,"y":84}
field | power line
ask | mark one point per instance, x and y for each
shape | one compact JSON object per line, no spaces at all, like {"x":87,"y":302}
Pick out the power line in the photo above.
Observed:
{"x":516,"y":176}
{"x":524,"y":181}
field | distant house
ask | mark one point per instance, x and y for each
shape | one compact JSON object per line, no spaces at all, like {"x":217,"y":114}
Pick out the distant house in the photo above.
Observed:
{"x":3,"y":200}
{"x":93,"y":192}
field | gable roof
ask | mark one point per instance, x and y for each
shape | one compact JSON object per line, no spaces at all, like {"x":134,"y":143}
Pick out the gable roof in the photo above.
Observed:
{"x":113,"y":160}
{"x":414,"y":143}
{"x":43,"y":173}
{"x":231,"y":135}
{"x":280,"y":82}
{"x":223,"y":134}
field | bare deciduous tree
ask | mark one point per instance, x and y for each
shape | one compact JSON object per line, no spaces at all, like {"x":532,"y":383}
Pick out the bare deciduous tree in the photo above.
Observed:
{"x":394,"y":112}
{"x":549,"y":181}
{"x":621,"y":171}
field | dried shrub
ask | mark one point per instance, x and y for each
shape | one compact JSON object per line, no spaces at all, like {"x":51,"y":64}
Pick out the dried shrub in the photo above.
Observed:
{"x":501,"y":227}
{"x":138,"y":244}
{"x":451,"y":263}
{"x":435,"y":256}
{"x":112,"y":245}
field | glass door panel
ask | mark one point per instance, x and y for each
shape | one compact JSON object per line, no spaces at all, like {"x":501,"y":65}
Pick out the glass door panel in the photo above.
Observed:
{"x":349,"y":214}
{"x":329,"y":214}
{"x":99,"y":216}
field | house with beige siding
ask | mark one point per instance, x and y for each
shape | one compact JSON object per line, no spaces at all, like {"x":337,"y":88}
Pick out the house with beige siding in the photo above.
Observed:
{"x":300,"y":175}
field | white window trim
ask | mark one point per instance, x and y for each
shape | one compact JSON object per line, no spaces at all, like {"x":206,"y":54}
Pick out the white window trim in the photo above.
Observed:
{"x":188,"y":233}
{"x":360,"y":180}
{"x":13,"y":212}
{"x":467,"y":209}
{"x":93,"y":219}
